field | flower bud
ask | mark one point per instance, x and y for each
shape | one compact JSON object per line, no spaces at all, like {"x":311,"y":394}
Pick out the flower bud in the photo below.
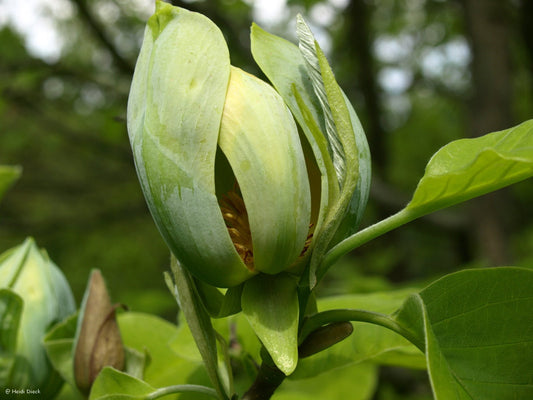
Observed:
{"x":324,"y":337}
{"x":34,"y":295}
{"x":98,"y":342}
{"x":217,"y":153}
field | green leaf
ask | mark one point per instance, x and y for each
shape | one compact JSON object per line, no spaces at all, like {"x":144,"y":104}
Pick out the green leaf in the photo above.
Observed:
{"x":219,"y":305}
{"x":270,"y":304}
{"x":235,"y":327}
{"x":11,"y":305}
{"x":477,"y":325}
{"x":368,"y":341}
{"x":308,"y":48}
{"x":135,"y":362}
{"x":198,"y":320}
{"x":152,"y":335}
{"x":183,"y":344}
{"x":467,"y":168}
{"x":357,"y":205}
{"x":459,"y":171}
{"x":114,"y":385}
{"x":8,"y":175}
{"x":58,"y":343}
{"x":353,"y":382}
{"x":345,"y":133}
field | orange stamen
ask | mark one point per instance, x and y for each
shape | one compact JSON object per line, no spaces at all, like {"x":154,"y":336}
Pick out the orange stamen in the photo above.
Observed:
{"x":236,"y":219}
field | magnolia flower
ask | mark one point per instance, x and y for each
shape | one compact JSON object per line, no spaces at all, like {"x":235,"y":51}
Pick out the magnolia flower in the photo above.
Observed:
{"x":232,"y":188}
{"x":217,"y":153}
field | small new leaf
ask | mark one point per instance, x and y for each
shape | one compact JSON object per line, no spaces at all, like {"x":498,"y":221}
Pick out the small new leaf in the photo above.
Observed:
{"x":270,"y":304}
{"x":308,"y":48}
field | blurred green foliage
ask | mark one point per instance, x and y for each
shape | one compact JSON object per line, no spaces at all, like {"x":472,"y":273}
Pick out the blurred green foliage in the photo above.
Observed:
{"x":405,"y":64}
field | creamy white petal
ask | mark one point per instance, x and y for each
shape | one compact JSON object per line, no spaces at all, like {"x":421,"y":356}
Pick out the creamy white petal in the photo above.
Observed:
{"x":260,"y":140}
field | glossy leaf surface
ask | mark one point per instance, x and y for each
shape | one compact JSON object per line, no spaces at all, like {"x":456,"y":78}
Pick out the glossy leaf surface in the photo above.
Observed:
{"x":114,"y":385}
{"x":478,"y":329}
{"x":467,"y":168}
{"x":270,"y":304}
{"x":459,"y":171}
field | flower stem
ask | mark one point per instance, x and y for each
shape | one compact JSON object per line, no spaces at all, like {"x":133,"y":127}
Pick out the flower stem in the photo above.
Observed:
{"x":358,"y":239}
{"x":267,"y":381}
{"x":181,"y":389}
{"x":315,"y":321}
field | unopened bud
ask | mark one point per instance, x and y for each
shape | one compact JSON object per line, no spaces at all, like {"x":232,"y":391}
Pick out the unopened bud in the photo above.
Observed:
{"x":34,"y":295}
{"x":324,"y":337}
{"x":217,"y":153}
{"x":98,"y":342}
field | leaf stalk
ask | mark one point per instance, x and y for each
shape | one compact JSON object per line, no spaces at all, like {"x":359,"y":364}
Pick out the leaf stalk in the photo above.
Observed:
{"x":331,"y":316}
{"x":182,"y":389}
{"x":358,"y":239}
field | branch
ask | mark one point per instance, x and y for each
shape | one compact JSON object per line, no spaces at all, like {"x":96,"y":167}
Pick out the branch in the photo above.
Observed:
{"x":98,"y":30}
{"x":78,"y":137}
{"x":267,"y":381}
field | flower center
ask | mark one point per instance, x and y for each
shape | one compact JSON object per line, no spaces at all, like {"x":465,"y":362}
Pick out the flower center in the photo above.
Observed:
{"x":236,"y":219}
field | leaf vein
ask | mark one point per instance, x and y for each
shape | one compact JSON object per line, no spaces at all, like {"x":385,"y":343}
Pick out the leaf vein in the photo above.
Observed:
{"x":481,"y":307}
